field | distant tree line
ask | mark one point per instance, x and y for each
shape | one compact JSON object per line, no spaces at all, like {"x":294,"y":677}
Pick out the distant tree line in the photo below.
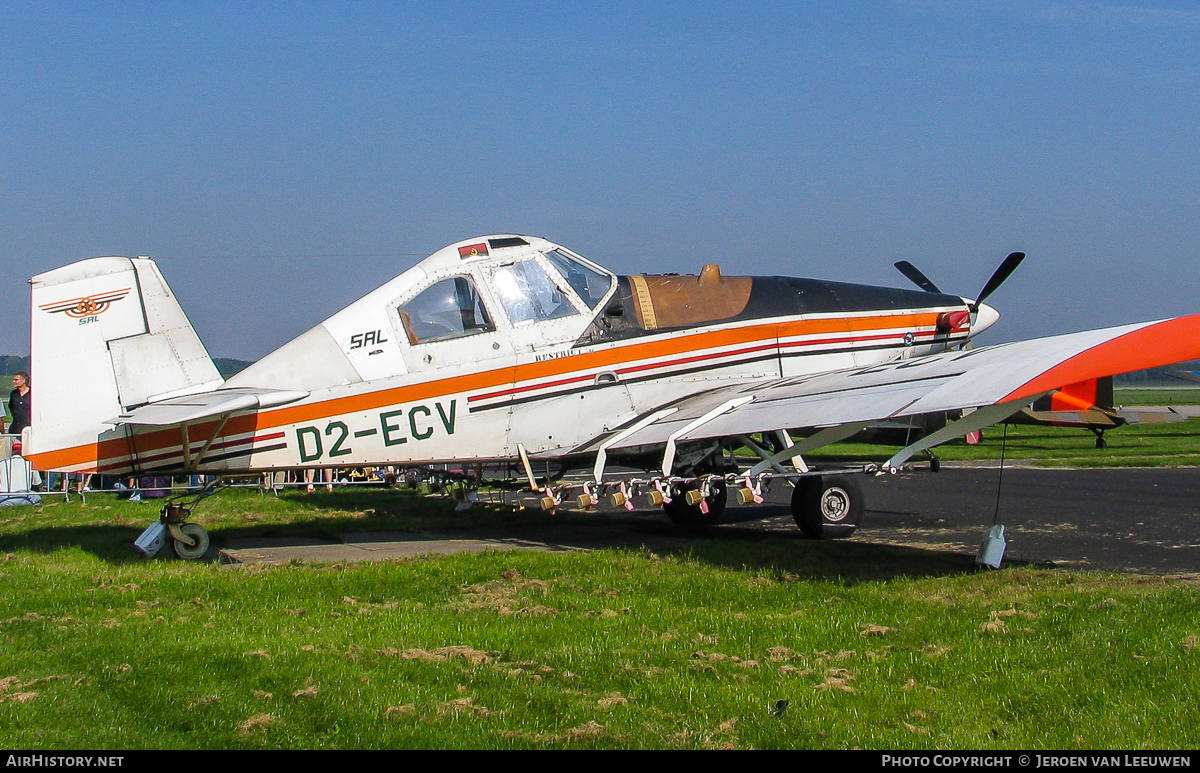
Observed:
{"x":10,"y":364}
{"x":227,"y":367}
{"x":1155,"y":376}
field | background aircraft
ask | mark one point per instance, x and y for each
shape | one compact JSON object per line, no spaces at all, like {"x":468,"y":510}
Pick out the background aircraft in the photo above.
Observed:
{"x":511,"y":347}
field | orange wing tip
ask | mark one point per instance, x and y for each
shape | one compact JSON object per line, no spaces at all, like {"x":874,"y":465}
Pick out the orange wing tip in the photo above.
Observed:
{"x":1152,"y":346}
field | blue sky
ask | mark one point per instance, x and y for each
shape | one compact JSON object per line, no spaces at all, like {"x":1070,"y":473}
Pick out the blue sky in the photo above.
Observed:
{"x":282,"y":159}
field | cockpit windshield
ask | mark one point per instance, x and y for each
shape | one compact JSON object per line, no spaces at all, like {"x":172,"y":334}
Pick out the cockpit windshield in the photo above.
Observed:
{"x":527,"y":293}
{"x":590,"y":284}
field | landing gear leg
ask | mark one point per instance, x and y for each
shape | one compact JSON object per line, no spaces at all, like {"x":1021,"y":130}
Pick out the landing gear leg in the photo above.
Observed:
{"x":1101,"y":443}
{"x":189,"y":540}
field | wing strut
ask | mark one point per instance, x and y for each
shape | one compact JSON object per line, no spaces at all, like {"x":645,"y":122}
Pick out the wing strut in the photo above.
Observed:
{"x":188,"y":463}
{"x":785,"y":439}
{"x":528,"y":467}
{"x":810,"y":443}
{"x":602,"y":453}
{"x":669,"y":454}
{"x":766,"y":456}
{"x":984,"y":417}
{"x":798,"y":462}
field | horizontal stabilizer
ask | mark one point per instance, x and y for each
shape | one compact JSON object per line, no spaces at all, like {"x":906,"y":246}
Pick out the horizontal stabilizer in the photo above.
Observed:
{"x":1186,"y":375}
{"x":1152,"y":416}
{"x":184,"y":410}
{"x":1086,"y":419}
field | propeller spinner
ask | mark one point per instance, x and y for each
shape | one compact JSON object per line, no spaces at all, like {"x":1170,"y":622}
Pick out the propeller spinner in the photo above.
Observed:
{"x":982,"y":315}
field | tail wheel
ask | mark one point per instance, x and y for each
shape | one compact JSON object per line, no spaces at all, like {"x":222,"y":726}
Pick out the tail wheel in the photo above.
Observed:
{"x":827,"y":506}
{"x":679,"y":511}
{"x":198,"y":536}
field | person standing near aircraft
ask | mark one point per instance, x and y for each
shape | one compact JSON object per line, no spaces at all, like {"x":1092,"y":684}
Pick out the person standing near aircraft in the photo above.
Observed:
{"x":310,"y":476}
{"x":18,"y":406}
{"x":18,"y":403}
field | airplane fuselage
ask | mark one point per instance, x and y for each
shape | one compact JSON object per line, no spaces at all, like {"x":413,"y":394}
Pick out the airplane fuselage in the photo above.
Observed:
{"x":549,"y":385}
{"x":449,"y":362}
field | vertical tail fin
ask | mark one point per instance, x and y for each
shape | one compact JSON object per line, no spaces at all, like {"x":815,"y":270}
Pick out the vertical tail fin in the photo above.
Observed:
{"x":106,"y":334}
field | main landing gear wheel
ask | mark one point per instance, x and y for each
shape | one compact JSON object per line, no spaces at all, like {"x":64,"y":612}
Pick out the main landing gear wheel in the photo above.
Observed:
{"x":199,"y":537}
{"x":679,"y":511}
{"x":827,"y":506}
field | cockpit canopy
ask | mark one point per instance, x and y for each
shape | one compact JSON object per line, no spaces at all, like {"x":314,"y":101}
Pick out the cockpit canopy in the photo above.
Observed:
{"x":531,"y":286}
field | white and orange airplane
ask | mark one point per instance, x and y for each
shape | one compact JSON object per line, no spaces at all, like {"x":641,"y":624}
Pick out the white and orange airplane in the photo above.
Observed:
{"x":512,"y":347}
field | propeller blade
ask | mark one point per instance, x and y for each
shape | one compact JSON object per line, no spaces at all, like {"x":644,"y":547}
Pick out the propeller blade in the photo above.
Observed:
{"x":916,"y":277}
{"x":1006,"y":268}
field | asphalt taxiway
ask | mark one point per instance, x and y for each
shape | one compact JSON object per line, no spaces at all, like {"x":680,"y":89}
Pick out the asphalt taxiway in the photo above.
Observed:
{"x":1143,"y":521}
{"x":1125,"y":520}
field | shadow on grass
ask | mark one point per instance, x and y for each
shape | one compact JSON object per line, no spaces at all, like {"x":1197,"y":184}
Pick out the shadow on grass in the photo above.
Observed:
{"x":112,"y":543}
{"x":329,"y":517}
{"x":758,"y":542}
{"x":845,"y":562}
{"x":231,"y":517}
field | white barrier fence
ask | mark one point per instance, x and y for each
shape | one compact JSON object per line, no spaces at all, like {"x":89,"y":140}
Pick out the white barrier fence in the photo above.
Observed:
{"x":17,"y":478}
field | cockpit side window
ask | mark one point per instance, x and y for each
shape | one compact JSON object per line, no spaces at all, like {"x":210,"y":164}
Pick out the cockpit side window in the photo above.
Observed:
{"x":590,"y":284}
{"x":448,"y":309}
{"x":527,"y":293}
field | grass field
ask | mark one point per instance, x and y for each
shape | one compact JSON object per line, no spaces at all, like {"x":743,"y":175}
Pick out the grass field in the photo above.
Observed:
{"x":1174,"y":444}
{"x":871,"y":647}
{"x":1161,"y":396}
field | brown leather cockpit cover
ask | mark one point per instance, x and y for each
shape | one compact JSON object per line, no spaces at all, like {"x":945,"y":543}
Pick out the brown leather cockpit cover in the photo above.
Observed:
{"x":677,"y":301}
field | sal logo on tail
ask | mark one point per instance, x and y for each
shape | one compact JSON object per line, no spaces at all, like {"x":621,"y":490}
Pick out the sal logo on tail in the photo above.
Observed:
{"x":85,"y":309}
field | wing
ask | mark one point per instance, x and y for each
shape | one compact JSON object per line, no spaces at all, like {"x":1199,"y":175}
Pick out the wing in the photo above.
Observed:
{"x":997,"y":380}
